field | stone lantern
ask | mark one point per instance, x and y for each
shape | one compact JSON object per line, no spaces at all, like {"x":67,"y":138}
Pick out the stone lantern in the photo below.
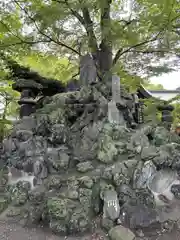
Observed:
{"x":166,"y":118}
{"x":29,"y":90}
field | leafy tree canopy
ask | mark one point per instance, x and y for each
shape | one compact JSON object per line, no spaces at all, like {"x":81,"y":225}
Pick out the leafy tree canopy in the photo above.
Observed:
{"x":135,"y":39}
{"x":126,"y":36}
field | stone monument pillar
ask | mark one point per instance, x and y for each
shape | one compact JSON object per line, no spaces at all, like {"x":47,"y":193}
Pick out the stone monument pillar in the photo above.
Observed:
{"x":114,"y":115}
{"x":141,"y":113}
{"x":138,"y":113}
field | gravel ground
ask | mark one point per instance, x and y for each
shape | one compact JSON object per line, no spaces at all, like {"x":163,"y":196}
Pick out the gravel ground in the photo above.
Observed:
{"x":175,"y":235}
{"x":13,"y":231}
{"x":17,"y":232}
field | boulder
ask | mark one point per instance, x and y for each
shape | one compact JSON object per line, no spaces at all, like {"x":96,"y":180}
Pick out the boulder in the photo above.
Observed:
{"x":121,"y":233}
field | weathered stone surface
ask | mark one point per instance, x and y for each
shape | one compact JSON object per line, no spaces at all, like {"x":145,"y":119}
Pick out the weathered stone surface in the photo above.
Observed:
{"x":59,"y":134}
{"x":138,"y":141}
{"x":144,"y":174}
{"x":125,"y":193}
{"x":65,"y":216}
{"x":37,"y":196}
{"x":57,"y":159}
{"x":121,"y":233}
{"x":148,"y":153}
{"x":138,"y":216}
{"x":175,"y":189}
{"x":54,"y":182}
{"x":161,"y":136}
{"x":86,"y":166}
{"x":86,"y":182}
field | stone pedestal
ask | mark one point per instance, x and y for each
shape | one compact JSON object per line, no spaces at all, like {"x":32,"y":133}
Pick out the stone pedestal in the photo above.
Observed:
{"x":26,"y":110}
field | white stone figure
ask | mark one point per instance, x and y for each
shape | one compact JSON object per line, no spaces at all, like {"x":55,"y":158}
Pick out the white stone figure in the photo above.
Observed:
{"x":111,"y":208}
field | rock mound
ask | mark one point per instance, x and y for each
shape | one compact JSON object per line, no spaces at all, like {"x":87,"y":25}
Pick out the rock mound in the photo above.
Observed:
{"x":83,"y":166}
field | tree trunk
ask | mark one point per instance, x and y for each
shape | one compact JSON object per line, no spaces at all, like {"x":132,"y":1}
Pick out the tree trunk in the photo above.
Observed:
{"x":102,"y":54}
{"x":105,"y":51}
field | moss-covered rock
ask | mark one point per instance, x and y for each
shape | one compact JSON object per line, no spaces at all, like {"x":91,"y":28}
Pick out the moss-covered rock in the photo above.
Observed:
{"x":54,"y":182}
{"x":79,"y":221}
{"x":121,"y":233}
{"x":18,"y":193}
{"x":84,"y":167}
{"x":37,"y":196}
{"x":161,"y":136}
{"x":66,"y":216}
{"x":86,"y":182}
{"x":107,"y":150}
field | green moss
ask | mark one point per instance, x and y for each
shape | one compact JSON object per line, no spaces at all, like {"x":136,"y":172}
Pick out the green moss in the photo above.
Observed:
{"x":57,"y":208}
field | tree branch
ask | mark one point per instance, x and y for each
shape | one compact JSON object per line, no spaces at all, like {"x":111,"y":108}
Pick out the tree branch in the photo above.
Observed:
{"x":42,"y":33}
{"x":74,"y":13}
{"x":21,"y":41}
{"x":87,"y":23}
{"x":121,"y":52}
{"x":149,"y":51}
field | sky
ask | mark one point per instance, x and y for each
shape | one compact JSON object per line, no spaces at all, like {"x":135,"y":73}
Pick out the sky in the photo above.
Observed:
{"x":169,"y":81}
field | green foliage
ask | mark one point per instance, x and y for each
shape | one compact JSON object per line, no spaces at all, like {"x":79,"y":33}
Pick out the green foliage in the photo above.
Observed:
{"x":176,"y":114}
{"x":151,"y":86}
{"x":144,"y":30}
{"x":49,"y":66}
{"x":150,"y":110}
{"x":8,"y":105}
